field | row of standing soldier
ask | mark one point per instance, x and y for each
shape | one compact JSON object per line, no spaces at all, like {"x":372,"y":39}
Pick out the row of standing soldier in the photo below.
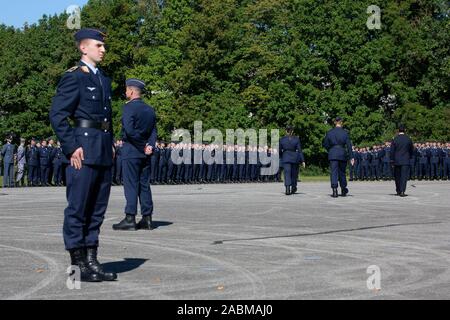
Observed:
{"x":163,"y":170}
{"x":430,"y":161}
{"x":40,"y":161}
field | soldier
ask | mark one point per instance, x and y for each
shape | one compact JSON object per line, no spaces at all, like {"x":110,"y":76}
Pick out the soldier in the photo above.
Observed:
{"x":170,"y":165}
{"x":139,"y":136}
{"x":412,"y":165}
{"x":441,"y":160}
{"x":188,"y":154}
{"x":422,"y":154}
{"x":33,"y":164}
{"x":8,"y":153}
{"x":291,"y":156}
{"x":1,"y":160}
{"x":353,"y":166}
{"x":118,"y":174}
{"x":434,"y":154}
{"x":375,"y":163}
{"x":57,"y":164}
{"x":154,"y":164}
{"x":365,"y":161}
{"x":386,"y":160}
{"x":84,"y":95}
{"x":162,"y":163}
{"x":402,"y":149}
{"x":240,"y":163}
{"x":44,"y":161}
{"x":38,"y":146}
{"x":337,"y":143}
{"x":21,"y":162}
{"x":51,"y":150}
{"x":446,"y":152}
{"x":179,"y":166}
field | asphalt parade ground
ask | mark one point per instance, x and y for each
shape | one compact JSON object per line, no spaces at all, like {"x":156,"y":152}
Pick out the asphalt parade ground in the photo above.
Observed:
{"x":241,"y":241}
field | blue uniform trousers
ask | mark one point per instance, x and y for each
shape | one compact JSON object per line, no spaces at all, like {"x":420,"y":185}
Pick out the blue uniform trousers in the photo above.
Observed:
{"x":57,"y":173}
{"x":45,"y":174}
{"x":401,"y":174}
{"x":387,"y":170}
{"x":337,"y":170}
{"x":8,"y":174}
{"x":87,"y":196}
{"x":447,"y":168}
{"x":33,"y":172}
{"x":290,"y":174}
{"x":136,"y":175}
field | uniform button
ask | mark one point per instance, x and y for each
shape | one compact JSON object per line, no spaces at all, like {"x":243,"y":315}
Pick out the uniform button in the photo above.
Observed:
{"x":105,"y":108}
{"x":106,"y":130}
{"x":106,"y":120}
{"x":86,"y":134}
{"x":93,"y":97}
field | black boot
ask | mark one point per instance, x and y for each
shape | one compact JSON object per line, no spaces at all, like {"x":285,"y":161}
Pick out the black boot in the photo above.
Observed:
{"x":145,"y":223}
{"x":128,"y":223}
{"x":344,"y":192}
{"x":95,"y":266}
{"x":288,"y":190}
{"x":335,"y":193}
{"x":78,"y":258}
{"x":294,"y":190}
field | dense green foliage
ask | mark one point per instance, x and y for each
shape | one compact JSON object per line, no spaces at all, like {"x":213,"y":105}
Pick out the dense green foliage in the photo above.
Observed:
{"x":249,"y":64}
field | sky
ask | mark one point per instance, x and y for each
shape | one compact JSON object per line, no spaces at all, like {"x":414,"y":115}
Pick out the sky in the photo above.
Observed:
{"x":17,"y":12}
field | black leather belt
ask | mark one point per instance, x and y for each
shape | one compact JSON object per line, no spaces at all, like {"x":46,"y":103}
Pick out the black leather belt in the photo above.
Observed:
{"x":83,"y":123}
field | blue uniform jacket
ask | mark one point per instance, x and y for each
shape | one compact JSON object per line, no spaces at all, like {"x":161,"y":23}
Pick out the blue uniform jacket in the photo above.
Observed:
{"x":402,"y":150}
{"x":33,"y":156}
{"x":338,"y":144}
{"x":138,"y":129}
{"x":8,"y":153}
{"x":434,"y":155}
{"x":44,"y":156}
{"x":291,"y":150}
{"x":57,"y":155}
{"x":81,"y":94}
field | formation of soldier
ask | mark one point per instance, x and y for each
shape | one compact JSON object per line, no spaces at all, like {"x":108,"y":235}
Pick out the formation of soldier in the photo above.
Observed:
{"x":239,"y":169}
{"x":430,"y":161}
{"x":39,"y":161}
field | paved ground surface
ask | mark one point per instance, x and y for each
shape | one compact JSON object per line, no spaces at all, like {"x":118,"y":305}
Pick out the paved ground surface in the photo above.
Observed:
{"x":243,"y":241}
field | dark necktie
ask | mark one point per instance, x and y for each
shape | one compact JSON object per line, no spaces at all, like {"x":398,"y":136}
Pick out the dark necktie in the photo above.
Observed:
{"x":99,"y":77}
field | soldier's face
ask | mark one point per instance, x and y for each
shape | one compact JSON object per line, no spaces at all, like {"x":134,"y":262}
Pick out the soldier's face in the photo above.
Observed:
{"x":94,"y":50}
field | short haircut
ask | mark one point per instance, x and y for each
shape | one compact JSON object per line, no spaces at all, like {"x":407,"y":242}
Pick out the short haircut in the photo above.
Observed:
{"x":138,"y":90}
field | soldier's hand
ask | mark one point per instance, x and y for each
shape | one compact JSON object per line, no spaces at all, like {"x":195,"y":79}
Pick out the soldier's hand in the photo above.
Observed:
{"x":148,"y":150}
{"x":352,"y":161}
{"x":113,"y":153}
{"x":304,"y":165}
{"x":77,"y":158}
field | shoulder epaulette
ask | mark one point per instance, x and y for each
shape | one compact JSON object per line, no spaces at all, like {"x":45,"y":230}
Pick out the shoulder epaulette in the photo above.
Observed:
{"x":72,"y":69}
{"x":85,"y":69}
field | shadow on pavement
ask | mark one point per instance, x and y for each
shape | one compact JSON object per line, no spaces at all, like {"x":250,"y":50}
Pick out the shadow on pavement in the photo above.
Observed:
{"x":123,"y":266}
